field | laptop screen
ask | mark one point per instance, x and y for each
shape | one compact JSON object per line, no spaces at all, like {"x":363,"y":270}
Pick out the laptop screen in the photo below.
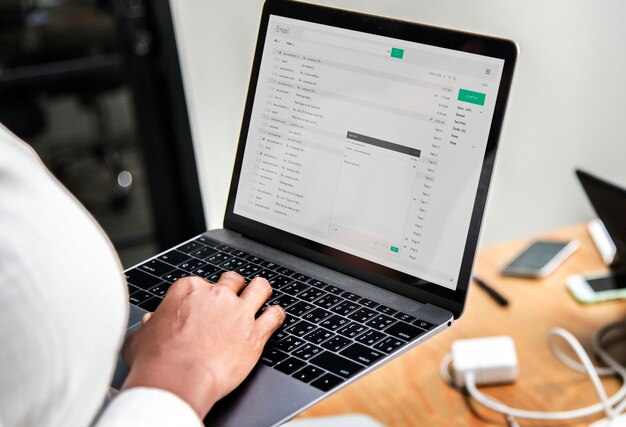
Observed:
{"x":368,"y":144}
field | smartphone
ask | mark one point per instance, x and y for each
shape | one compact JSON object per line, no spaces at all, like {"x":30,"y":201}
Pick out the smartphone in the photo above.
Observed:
{"x":598,"y":287}
{"x":539,"y":259}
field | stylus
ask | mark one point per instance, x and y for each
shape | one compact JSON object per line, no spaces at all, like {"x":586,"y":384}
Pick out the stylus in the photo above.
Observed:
{"x":491,"y":292}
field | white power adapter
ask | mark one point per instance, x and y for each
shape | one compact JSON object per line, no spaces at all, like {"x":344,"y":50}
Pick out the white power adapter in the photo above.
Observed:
{"x":491,"y":360}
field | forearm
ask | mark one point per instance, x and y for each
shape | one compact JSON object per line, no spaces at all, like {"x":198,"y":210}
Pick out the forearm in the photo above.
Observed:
{"x":148,"y":407}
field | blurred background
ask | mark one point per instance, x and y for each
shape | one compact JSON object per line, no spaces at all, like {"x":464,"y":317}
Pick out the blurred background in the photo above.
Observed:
{"x":94,"y":87}
{"x":566,"y":108}
{"x":111,"y":92}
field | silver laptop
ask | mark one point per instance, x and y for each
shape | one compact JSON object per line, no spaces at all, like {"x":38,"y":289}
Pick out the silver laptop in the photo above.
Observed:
{"x":358,"y":191}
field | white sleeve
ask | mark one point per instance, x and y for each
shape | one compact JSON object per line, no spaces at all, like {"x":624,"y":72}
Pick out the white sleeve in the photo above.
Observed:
{"x":149,"y":407}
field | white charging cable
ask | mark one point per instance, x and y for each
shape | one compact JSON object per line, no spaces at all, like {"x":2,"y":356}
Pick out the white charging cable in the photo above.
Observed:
{"x":612,"y":406}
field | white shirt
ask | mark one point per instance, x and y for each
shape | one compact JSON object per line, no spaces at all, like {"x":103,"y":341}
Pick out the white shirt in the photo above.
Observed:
{"x":63,"y":309}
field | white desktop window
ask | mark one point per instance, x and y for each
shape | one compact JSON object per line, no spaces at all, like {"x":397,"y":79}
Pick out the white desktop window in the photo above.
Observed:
{"x":368,"y":144}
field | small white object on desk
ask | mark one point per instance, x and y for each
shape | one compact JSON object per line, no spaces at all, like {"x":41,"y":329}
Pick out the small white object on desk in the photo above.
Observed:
{"x":602,"y":239}
{"x":350,"y":420}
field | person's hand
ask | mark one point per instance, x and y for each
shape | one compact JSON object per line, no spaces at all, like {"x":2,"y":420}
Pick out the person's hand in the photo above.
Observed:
{"x":203,"y":340}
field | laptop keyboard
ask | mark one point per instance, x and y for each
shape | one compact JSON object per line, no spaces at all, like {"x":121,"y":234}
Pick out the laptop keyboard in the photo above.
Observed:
{"x":329,"y":334}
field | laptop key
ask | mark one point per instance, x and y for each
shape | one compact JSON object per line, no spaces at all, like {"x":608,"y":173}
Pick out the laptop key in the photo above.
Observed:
{"x":289,"y":343}
{"x":249,"y":271}
{"x":226,"y":248}
{"x":327,"y":301}
{"x":233,"y":264}
{"x":141,"y":280}
{"x":389,"y":344}
{"x":404,"y":331}
{"x":151,"y":304}
{"x":275,"y":295}
{"x":368,"y":303}
{"x":301,"y":277}
{"x":405,"y":317}
{"x":423,"y":324}
{"x":316,"y":315}
{"x":175,"y":275}
{"x":337,"y":365}
{"x":326,"y":382}
{"x":272,"y":356}
{"x":350,"y":296}
{"x":174,"y":257}
{"x":190,"y":247}
{"x":301,"y":328}
{"x":380,"y":322}
{"x":253,"y":258}
{"x":317,"y":283}
{"x":213,"y":278}
{"x":290,"y":365}
{"x":308,"y":373}
{"x":286,"y":271}
{"x":294,"y":288}
{"x":267,"y":274}
{"x":352,"y":330}
{"x":218,"y":258}
{"x":336,"y":343}
{"x":278,"y":336}
{"x":161,"y":289}
{"x":318,"y":336}
{"x":206,"y":271}
{"x":203,"y":253}
{"x":370,"y":337}
{"x":156,"y":267}
{"x":360,"y":353}
{"x":290,"y":320}
{"x":334,"y":290}
{"x":269,"y":265}
{"x":284,"y":301}
{"x":345,"y":307}
{"x":299,"y":308}
{"x":280,"y":281}
{"x":334,"y":322}
{"x":362,"y":315}
{"x":386,"y":310}
{"x":307,"y":351}
{"x":311,"y":294}
{"x":139,"y":297}
{"x":192,"y":264}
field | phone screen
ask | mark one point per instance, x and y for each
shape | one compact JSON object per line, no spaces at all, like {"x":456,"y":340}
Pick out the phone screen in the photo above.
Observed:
{"x":537,"y":255}
{"x":608,"y":283}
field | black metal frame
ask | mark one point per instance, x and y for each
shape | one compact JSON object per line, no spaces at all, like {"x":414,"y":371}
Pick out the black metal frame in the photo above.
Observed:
{"x":162,"y":119}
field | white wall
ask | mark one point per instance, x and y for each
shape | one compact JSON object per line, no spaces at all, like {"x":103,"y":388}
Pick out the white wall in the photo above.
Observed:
{"x":567,"y":107}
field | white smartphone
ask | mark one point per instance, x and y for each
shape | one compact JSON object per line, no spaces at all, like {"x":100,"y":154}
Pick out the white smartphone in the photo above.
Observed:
{"x":598,"y":287}
{"x":540,"y":258}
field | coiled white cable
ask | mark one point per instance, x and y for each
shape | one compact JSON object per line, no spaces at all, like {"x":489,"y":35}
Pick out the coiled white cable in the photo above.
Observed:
{"x":612,"y":406}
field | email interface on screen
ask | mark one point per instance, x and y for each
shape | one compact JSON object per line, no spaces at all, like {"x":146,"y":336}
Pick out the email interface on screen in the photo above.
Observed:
{"x":368,"y":144}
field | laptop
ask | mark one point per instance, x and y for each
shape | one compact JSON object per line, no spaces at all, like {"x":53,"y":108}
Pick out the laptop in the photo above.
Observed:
{"x":609,"y":202}
{"x":358,"y":190}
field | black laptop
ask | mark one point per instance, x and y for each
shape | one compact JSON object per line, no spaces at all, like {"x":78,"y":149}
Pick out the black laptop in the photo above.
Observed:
{"x":358,"y":190}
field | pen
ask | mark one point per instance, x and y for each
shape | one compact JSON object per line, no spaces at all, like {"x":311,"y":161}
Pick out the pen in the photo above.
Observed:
{"x":502,"y":301}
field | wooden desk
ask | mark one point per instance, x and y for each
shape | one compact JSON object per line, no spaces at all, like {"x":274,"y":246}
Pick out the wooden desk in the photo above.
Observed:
{"x":409,"y":392}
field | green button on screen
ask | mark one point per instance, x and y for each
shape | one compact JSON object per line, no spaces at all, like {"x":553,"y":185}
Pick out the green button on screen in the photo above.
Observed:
{"x":397,"y":53}
{"x":393,"y":249}
{"x":471,"y":97}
